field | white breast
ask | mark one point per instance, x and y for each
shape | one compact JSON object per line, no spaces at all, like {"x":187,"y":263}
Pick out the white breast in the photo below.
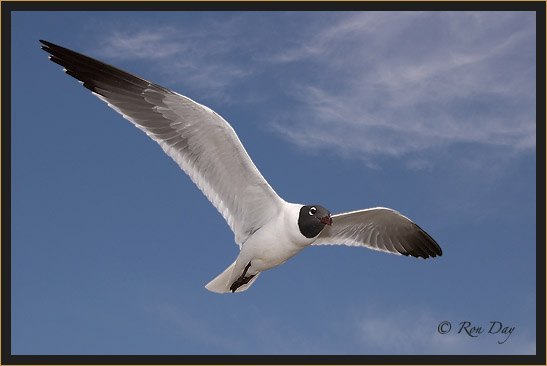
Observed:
{"x":276,"y":242}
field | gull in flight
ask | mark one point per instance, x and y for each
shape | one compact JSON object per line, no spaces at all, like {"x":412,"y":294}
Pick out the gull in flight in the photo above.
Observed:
{"x":268,"y":230}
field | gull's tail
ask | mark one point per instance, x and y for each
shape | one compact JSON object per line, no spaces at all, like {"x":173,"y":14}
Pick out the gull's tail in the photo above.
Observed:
{"x":223,"y":281}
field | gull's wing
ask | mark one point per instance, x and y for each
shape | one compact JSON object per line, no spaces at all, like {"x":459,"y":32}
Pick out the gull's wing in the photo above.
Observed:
{"x":201,"y":142}
{"x":380,"y":229}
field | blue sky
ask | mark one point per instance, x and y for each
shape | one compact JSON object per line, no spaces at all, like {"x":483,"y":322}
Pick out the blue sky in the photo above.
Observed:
{"x":428,"y":113}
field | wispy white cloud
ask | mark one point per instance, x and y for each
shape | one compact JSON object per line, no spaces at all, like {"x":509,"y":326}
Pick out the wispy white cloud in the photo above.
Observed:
{"x":182,"y":54}
{"x":369,"y":85}
{"x":155,"y":45}
{"x":406,"y":83}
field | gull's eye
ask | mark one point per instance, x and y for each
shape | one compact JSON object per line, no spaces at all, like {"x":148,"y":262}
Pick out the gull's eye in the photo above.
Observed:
{"x":312,"y":211}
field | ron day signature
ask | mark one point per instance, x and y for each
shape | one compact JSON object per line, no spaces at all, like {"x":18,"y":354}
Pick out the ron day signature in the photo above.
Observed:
{"x":466,"y":327}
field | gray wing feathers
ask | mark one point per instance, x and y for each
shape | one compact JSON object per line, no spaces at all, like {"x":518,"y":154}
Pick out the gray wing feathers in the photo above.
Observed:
{"x":201,"y":142}
{"x":379,"y":229}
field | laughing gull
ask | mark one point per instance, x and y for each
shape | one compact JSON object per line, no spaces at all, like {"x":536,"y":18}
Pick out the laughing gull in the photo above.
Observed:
{"x":268,"y":230}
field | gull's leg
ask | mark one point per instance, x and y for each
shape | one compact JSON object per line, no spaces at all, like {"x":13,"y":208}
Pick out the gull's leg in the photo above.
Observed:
{"x":242,"y":279}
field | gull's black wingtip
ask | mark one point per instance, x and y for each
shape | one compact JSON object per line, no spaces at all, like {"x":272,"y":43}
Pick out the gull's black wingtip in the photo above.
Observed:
{"x":47,"y":46}
{"x":45,"y":43}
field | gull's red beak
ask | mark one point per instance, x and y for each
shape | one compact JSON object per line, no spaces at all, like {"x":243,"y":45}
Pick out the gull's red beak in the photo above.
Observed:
{"x":327,"y":220}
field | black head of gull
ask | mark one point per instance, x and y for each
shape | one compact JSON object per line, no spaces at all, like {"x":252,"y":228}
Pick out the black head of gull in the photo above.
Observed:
{"x":312,"y":219}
